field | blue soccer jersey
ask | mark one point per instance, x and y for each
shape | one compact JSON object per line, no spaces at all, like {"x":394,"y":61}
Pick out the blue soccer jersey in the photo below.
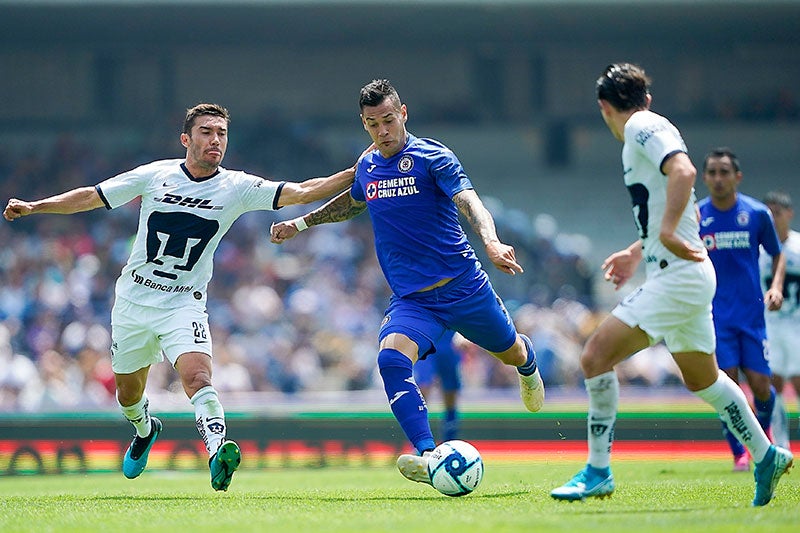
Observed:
{"x":418,"y":238}
{"x":733,"y":238}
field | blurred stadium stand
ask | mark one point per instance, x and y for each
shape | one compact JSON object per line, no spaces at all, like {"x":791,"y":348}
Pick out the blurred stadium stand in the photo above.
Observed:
{"x":92,"y":88}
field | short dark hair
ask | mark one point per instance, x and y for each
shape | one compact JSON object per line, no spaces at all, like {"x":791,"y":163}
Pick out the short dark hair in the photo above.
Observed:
{"x":375,"y":92}
{"x":624,"y":85}
{"x":201,"y":110}
{"x":779,"y":198}
{"x":720,"y":152}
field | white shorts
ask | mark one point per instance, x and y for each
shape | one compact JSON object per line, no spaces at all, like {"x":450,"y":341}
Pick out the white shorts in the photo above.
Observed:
{"x":141,"y":335}
{"x":783,"y":335}
{"x":674,"y":305}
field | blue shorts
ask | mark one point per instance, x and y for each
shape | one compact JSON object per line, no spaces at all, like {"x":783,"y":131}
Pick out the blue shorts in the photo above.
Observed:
{"x":468,"y":305}
{"x":445,"y":363}
{"x":743,"y":348}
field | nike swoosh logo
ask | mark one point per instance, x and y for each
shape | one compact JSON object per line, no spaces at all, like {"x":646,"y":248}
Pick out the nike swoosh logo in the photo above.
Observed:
{"x":397,"y":396}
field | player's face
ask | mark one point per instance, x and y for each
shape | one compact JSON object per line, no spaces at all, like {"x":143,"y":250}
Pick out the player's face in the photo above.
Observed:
{"x":721,"y":178}
{"x":386,"y":125}
{"x":206,"y":146}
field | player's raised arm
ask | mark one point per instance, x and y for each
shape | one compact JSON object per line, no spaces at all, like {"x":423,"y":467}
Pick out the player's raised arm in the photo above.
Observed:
{"x":501,"y":255}
{"x":343,"y":207}
{"x":74,"y":201}
{"x":314,"y":189}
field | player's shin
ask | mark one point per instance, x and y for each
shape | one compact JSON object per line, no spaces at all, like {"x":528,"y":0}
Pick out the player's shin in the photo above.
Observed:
{"x":729,"y":401}
{"x":405,"y":399}
{"x":603,"y":404}
{"x":209,"y":418}
{"x":138,"y":414}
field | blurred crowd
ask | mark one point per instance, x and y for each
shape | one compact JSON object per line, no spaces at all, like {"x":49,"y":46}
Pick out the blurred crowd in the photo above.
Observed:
{"x":298,"y":317}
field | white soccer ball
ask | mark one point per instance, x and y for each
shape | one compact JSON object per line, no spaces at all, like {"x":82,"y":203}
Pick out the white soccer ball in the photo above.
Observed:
{"x":455,"y":468}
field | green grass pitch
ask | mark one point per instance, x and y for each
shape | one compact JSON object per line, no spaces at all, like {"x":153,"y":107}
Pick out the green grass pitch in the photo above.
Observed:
{"x":652,"y":495}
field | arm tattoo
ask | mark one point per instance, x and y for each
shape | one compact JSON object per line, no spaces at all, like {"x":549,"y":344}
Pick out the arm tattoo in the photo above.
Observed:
{"x":343,"y":207}
{"x":476,"y":214}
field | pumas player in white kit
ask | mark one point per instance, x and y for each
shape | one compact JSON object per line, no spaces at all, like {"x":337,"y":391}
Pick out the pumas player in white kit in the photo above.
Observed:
{"x":187,"y":205}
{"x":673,"y":304}
{"x":783,"y":326}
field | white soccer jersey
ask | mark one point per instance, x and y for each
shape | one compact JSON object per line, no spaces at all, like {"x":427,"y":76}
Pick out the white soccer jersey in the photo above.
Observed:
{"x":791,"y":285}
{"x":649,"y":139}
{"x":181,"y":222}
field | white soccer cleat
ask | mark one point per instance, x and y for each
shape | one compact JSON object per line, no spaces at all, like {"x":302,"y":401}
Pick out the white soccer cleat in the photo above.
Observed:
{"x":531,"y":390}
{"x":414,"y":467}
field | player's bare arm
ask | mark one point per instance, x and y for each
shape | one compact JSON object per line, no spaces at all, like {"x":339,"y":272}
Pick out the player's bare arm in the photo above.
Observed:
{"x":681,"y":175}
{"x":343,"y":207}
{"x":773,"y":298}
{"x":501,"y":255}
{"x":314,"y":189}
{"x":620,"y":266}
{"x":74,"y":201}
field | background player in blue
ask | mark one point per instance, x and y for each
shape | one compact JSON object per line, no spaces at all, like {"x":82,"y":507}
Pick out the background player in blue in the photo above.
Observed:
{"x":414,"y":190}
{"x":187,"y":205}
{"x":733,"y":227}
{"x":445,"y":365}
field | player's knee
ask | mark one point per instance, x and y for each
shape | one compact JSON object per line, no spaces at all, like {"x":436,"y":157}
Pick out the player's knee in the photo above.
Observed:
{"x":390,"y":358}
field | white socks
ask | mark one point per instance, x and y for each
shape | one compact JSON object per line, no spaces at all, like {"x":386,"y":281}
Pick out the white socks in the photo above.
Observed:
{"x":603,"y":403}
{"x":139,"y":415}
{"x":730,"y":402}
{"x":209,"y":418}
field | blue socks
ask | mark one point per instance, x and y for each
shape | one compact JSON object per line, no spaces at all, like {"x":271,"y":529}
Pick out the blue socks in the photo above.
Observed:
{"x":530,"y":365}
{"x":764,"y":410}
{"x":405,"y":398}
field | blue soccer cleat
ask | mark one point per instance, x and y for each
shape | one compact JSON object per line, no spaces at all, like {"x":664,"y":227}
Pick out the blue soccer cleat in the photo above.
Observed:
{"x":136,"y":457}
{"x":223,"y":464}
{"x":776,"y":463}
{"x":588,"y":483}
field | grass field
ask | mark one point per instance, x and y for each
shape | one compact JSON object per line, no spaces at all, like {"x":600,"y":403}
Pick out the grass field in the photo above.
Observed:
{"x":672,"y":495}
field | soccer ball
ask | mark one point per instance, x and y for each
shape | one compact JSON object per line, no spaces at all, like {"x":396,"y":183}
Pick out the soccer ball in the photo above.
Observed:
{"x":455,"y":468}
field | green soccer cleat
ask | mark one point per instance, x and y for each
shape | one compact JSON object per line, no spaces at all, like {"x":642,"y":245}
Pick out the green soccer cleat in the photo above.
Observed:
{"x":223,"y":464}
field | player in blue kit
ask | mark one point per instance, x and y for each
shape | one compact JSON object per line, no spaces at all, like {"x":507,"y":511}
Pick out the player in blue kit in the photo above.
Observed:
{"x":733,"y":227}
{"x":414,"y":190}
{"x":444,"y":364}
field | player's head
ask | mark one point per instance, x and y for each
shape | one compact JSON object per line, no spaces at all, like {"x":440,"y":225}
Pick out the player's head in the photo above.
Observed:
{"x":625,"y":86}
{"x":200,"y":110}
{"x":721,"y":173}
{"x":720,"y":153}
{"x":375,"y":92}
{"x":205,"y":136}
{"x":780,"y":203}
{"x":383,"y":116}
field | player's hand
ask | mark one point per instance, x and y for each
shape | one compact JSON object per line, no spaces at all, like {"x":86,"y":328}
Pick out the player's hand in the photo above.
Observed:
{"x":773,"y":299}
{"x":503,"y":257}
{"x":282,"y":231}
{"x":16,"y":209}
{"x":619,"y":267}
